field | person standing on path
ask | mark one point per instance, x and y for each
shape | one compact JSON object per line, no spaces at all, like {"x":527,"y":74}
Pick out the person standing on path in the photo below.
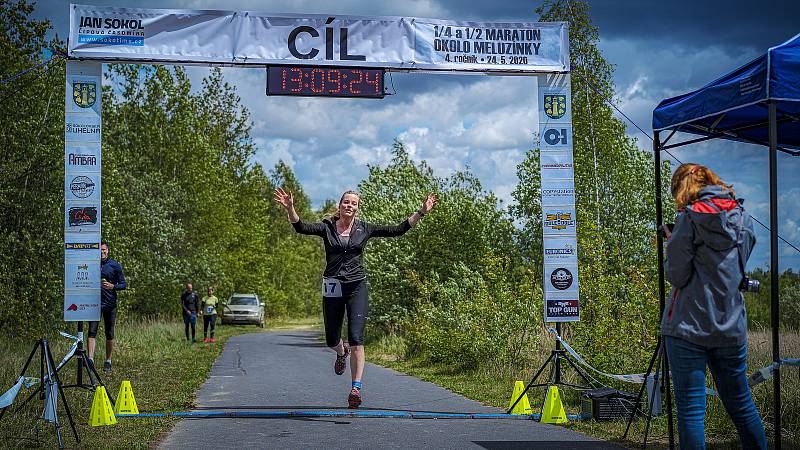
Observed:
{"x":112,"y":280}
{"x":344,"y":283}
{"x":209,"y":312}
{"x":190,"y":305}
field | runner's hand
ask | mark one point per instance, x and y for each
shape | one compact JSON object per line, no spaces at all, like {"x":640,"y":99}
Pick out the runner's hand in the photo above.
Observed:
{"x":283,"y":197}
{"x":429,"y":203}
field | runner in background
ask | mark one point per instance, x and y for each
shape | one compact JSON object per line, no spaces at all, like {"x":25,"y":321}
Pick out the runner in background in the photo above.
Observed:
{"x":113,"y":280}
{"x":190,"y":305}
{"x":344,"y":284}
{"x":209,"y":313}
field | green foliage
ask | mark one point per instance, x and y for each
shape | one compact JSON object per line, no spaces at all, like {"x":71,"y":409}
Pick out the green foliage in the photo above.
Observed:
{"x":182,"y":200}
{"x":31,"y":175}
{"x":183,"y":203}
{"x":758,"y":304}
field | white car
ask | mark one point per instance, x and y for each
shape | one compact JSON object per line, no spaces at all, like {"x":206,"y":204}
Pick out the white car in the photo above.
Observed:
{"x":243,"y":308}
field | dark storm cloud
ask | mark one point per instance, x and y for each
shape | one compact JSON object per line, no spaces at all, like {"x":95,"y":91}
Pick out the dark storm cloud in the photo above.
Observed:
{"x":729,"y":24}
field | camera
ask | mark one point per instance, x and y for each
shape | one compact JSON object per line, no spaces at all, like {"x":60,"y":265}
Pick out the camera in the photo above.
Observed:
{"x":749,"y":285}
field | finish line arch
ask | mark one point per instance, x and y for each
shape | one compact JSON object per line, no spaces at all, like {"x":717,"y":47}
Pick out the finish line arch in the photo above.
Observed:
{"x":311,"y":46}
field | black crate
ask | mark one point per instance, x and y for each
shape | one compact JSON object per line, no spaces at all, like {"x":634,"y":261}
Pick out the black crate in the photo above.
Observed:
{"x":608,"y":404}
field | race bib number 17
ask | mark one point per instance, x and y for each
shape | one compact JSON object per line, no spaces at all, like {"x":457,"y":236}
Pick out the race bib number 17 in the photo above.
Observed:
{"x":331,"y":287}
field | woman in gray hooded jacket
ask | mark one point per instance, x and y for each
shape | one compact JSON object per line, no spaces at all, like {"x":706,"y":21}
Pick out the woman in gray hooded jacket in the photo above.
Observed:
{"x":705,"y":323}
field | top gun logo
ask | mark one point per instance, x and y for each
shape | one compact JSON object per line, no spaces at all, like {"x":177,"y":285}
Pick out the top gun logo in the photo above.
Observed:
{"x":559,"y":221}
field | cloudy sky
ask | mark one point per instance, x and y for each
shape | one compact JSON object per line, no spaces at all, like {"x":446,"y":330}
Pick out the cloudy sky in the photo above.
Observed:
{"x":660,"y":49}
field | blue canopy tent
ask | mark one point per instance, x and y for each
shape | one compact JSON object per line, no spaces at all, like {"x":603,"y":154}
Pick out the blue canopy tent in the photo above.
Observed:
{"x":758,"y":103}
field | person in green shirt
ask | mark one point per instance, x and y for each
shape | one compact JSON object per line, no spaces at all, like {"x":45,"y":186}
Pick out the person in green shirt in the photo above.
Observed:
{"x":208,"y":307}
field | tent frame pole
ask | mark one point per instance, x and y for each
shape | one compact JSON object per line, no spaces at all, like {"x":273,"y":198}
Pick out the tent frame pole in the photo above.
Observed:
{"x":773,"y":254}
{"x":662,"y":285}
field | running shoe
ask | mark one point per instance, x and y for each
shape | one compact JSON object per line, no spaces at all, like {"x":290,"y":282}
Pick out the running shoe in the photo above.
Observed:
{"x":205,"y":340}
{"x":341,"y":361}
{"x":107,"y":367}
{"x":212,"y":340}
{"x":354,"y":399}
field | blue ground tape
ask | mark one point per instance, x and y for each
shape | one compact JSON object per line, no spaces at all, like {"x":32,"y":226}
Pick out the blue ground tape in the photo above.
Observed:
{"x":372,"y":414}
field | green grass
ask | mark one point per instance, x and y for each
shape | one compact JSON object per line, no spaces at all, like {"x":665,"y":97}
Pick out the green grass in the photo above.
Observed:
{"x":165,"y":371}
{"x":492,"y":388}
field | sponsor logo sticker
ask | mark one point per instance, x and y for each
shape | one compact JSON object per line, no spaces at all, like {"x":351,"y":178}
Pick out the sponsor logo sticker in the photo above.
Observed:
{"x":561,"y":278}
{"x":82,"y":186}
{"x":84,"y":93}
{"x":555,"y":105}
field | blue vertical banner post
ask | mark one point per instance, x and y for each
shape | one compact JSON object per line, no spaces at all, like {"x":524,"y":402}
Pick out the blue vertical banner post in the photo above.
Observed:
{"x":560,"y":243}
{"x":82,"y":189}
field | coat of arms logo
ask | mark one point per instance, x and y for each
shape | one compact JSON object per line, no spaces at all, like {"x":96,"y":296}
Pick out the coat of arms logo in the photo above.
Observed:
{"x":84,"y":93}
{"x":555,"y":105}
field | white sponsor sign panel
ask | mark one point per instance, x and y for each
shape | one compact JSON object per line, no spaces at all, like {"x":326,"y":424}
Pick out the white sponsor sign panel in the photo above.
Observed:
{"x":83,"y":93}
{"x":253,"y":38}
{"x":82,"y":156}
{"x":82,"y":186}
{"x":563,"y":308}
{"x":82,"y":274}
{"x":555,"y":137}
{"x":82,"y":217}
{"x":560,"y":250}
{"x":558,"y":192}
{"x":561,"y":279}
{"x":81,"y":305}
{"x":557,"y":166}
{"x":82,"y":190}
{"x":554,"y":105}
{"x":82,"y":128}
{"x":560,"y":220}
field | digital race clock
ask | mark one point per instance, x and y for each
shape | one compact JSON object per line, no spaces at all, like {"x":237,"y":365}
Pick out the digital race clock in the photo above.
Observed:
{"x":325,"y":81}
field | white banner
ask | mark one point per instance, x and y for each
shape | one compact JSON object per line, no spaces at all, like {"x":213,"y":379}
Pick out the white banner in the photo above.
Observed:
{"x":82,"y":190}
{"x":252,"y":38}
{"x":559,"y":221}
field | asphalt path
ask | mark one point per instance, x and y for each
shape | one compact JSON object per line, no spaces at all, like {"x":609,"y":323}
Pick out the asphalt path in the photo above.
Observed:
{"x":293,"y":371}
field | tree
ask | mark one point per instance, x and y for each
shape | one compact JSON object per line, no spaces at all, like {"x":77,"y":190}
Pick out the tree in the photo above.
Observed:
{"x":31,"y":174}
{"x":614,"y":205}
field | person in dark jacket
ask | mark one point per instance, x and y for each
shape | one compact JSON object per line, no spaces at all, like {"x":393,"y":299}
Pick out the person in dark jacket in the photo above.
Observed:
{"x":705,"y":322}
{"x":112,"y":280}
{"x":190,"y":305}
{"x":344,"y":283}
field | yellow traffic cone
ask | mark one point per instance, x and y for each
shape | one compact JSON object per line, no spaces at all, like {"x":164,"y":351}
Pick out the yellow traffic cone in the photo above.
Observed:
{"x":523,"y":406}
{"x":126,"y":403}
{"x":101,"y":413}
{"x":553,"y":411}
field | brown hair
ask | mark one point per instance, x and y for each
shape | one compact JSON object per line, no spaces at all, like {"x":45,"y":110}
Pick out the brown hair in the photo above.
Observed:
{"x":689,"y":179}
{"x":335,"y":215}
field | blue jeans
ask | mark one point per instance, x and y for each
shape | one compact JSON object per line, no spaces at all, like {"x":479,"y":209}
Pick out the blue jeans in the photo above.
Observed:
{"x":187,"y":321}
{"x":728,"y":366}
